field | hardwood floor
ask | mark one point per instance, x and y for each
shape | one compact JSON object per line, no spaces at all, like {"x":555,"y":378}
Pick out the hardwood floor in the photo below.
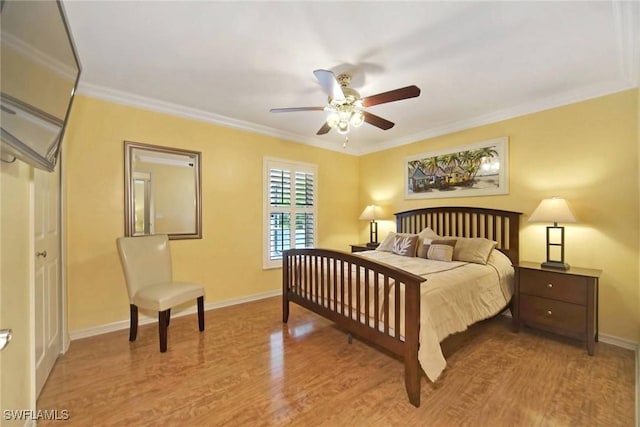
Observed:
{"x":247,"y":368}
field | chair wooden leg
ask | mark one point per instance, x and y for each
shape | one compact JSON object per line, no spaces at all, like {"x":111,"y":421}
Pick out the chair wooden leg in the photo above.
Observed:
{"x":201,"y":313}
{"x":168,"y":316}
{"x":285,"y":309}
{"x":133,"y":328}
{"x":162,"y":329}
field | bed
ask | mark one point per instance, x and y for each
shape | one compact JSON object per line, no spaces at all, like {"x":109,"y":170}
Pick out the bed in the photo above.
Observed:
{"x":409,"y":304}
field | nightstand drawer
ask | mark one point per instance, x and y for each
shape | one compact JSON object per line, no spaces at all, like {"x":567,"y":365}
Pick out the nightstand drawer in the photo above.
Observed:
{"x":547,"y":284}
{"x":555,"y":316}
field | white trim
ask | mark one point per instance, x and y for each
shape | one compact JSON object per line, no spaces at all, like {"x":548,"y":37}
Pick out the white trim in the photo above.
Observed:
{"x":548,"y":103}
{"x":618,"y":342}
{"x":32,"y":290}
{"x":145,"y":320}
{"x":554,"y":101}
{"x":64,"y":323}
{"x":151,"y":104}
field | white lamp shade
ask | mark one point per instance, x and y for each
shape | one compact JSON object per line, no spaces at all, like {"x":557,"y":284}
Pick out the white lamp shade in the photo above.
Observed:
{"x":554,"y":210}
{"x":372,"y":212}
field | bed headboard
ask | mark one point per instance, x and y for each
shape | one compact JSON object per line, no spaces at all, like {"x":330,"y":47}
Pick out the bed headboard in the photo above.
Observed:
{"x":498,"y":225}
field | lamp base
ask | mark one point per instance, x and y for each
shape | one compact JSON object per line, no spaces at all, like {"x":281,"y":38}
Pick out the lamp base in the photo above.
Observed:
{"x":555,"y":265}
{"x":373,"y":245}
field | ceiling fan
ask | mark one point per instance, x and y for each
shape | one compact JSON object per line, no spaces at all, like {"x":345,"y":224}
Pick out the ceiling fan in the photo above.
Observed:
{"x":345,"y":107}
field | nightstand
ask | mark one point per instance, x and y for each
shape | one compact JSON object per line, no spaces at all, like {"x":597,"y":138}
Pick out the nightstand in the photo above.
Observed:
{"x":562,"y":302}
{"x":363,"y":247}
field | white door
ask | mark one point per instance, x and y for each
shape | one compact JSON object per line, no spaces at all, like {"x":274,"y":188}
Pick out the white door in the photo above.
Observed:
{"x":47,"y":274}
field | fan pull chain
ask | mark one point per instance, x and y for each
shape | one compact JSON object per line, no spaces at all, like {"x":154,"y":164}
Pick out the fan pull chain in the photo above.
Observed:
{"x":346,"y":141}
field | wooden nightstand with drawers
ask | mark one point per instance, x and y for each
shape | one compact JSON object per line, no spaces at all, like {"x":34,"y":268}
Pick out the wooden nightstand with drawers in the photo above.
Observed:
{"x":562,"y":302}
{"x":360,"y":247}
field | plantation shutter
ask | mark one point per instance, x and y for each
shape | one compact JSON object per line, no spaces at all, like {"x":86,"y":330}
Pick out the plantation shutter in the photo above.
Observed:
{"x":304,"y":210}
{"x":290,"y":221}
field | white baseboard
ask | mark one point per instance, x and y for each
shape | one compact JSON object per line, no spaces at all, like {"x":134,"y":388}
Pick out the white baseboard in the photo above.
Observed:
{"x":618,"y":342}
{"x":145,"y":320}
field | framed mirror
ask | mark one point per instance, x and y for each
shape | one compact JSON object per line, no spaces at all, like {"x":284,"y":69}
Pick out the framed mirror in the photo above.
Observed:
{"x":162,"y":191}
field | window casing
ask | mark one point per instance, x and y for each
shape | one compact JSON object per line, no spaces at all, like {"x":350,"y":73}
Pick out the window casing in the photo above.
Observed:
{"x":289,"y":208}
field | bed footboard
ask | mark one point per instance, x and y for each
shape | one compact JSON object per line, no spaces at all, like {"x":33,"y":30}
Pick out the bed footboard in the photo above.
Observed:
{"x":374,"y":301}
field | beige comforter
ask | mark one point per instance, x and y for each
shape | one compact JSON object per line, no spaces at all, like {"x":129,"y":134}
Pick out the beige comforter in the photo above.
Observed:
{"x":455,"y":295}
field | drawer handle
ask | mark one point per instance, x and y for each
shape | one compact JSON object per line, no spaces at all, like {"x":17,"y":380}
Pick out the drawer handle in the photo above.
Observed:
{"x":549,"y":312}
{"x":549,"y":285}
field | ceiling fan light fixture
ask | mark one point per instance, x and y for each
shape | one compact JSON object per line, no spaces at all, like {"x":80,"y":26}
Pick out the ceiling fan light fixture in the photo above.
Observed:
{"x":343,"y":127}
{"x":345,"y":108}
{"x":333,"y":118}
{"x":357,"y":118}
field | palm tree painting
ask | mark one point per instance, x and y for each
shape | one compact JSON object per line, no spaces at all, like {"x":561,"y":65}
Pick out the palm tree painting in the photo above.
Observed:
{"x":477,"y":169}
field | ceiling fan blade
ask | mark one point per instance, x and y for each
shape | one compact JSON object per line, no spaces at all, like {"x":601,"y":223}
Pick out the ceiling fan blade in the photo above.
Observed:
{"x":324,"y":129}
{"x":392,"y":95}
{"x":377,"y":121}
{"x":329,"y":84}
{"x":289,"y":110}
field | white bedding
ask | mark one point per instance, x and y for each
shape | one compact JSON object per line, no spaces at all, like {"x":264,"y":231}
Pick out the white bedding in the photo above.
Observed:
{"x":454,"y":296}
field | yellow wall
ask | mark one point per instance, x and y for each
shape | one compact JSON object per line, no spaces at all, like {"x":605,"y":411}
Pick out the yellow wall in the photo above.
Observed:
{"x":228,"y":259}
{"x":15,"y":294}
{"x":586,"y":152}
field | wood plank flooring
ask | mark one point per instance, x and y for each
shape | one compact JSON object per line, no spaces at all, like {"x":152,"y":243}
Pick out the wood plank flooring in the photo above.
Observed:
{"x":249,"y":369}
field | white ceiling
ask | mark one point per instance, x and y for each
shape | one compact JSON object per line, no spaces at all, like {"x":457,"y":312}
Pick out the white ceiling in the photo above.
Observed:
{"x":475,"y":62}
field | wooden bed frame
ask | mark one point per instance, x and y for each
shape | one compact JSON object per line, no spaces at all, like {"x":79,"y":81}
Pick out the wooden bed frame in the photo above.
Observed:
{"x":312,"y":277}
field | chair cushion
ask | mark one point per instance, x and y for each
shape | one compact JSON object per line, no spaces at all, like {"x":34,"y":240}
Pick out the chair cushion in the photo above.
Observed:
{"x":163,"y":296}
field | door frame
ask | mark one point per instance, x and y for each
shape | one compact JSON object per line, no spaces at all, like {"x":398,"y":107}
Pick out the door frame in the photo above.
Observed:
{"x":64,"y":322}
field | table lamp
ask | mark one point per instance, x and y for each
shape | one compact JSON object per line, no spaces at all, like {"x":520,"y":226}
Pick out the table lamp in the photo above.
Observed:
{"x":371,"y":213}
{"x":554,"y":210}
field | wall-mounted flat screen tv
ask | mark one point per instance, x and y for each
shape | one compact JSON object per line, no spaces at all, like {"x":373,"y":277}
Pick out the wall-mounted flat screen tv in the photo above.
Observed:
{"x":39,"y":75}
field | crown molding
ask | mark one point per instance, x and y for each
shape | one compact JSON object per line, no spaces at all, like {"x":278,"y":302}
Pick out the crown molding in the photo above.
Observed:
{"x":554,"y":101}
{"x":440,"y":129}
{"x":151,"y":104}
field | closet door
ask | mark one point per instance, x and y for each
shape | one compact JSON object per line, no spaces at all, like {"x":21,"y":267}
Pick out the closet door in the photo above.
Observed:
{"x":47,"y":272}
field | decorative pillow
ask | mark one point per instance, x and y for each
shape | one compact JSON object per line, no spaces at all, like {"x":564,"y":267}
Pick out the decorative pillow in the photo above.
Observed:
{"x":473,"y":249}
{"x":405,"y":245}
{"x":428,"y":233}
{"x":424,"y":238}
{"x":387,"y":243}
{"x":440,"y":252}
{"x":426,"y":246}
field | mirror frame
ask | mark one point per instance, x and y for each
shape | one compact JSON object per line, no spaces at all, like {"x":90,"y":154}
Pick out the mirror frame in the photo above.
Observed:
{"x":129,"y":203}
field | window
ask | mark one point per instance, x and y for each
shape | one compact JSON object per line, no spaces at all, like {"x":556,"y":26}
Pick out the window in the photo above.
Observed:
{"x":290,"y":208}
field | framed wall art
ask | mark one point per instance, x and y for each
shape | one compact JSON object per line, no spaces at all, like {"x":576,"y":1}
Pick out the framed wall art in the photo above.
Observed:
{"x":478,"y":169}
